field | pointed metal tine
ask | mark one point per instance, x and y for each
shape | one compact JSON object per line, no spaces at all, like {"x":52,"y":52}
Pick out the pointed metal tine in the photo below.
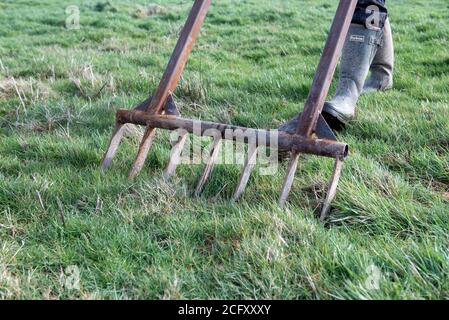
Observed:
{"x":114,"y":142}
{"x":246,"y":173}
{"x":142,"y":154}
{"x":117,"y":136}
{"x":332,"y":191}
{"x":147,"y":140}
{"x":172,"y":75}
{"x":175,"y":156}
{"x":213,"y":155}
{"x":288,"y":181}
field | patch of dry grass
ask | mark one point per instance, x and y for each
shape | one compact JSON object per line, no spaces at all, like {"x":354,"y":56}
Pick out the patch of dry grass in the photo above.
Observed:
{"x":149,"y":10}
{"x":9,"y":282}
{"x":24,"y":89}
{"x":89,"y":84}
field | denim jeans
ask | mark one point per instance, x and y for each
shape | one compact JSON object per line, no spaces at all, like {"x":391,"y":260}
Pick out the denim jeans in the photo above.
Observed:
{"x":365,"y":16}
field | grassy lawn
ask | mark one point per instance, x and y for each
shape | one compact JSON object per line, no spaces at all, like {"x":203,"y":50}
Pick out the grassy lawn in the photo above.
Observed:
{"x":252,"y":66}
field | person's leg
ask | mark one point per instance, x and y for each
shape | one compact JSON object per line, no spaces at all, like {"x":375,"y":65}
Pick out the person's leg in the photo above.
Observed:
{"x":358,"y":52}
{"x":364,"y":38}
{"x":358,"y":59}
{"x":381,"y":77}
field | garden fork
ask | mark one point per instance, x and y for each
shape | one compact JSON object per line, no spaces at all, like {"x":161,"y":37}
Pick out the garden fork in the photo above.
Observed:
{"x":313,"y":135}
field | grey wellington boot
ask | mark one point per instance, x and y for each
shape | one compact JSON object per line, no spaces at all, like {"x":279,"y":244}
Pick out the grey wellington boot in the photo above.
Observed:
{"x":358,"y":52}
{"x":381,"y":77}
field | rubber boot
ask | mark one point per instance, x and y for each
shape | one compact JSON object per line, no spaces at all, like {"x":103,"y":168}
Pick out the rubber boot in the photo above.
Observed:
{"x":381,"y":77}
{"x":359,"y":51}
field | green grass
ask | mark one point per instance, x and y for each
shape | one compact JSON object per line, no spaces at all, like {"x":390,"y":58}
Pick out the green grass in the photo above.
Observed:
{"x":253,"y":66}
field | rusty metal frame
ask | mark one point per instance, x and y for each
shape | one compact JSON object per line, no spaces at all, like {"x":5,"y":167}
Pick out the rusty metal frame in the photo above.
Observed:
{"x":158,"y":112}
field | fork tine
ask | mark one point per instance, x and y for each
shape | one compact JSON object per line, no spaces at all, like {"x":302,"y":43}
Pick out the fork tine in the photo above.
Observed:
{"x":116,"y":138}
{"x":332,"y":191}
{"x":288,"y":181}
{"x":145,"y":145}
{"x":175,"y":156}
{"x":213,"y":154}
{"x":247,"y":169}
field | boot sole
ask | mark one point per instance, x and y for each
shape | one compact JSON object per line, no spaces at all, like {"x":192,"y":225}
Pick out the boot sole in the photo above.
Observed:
{"x":334,"y":122}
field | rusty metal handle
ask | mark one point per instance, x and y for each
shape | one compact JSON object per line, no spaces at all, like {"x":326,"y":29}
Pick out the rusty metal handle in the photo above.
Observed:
{"x":326,"y":68}
{"x":180,"y":55}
